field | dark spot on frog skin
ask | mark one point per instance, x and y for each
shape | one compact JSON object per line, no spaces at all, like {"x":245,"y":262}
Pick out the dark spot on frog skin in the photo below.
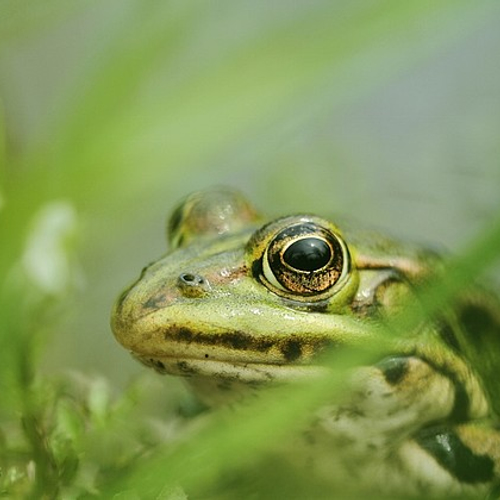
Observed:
{"x":292,"y":350}
{"x":185,"y":369}
{"x":234,"y":340}
{"x":394,"y":369}
{"x":155,"y":302}
{"x":448,"y":335}
{"x":461,"y":404}
{"x":238,"y":340}
{"x":454,"y":456}
{"x":158,"y":366}
{"x":479,"y":324}
{"x":184,"y":334}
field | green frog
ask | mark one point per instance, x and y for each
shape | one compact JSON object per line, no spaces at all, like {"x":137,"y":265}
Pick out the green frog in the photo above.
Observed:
{"x":240,"y":302}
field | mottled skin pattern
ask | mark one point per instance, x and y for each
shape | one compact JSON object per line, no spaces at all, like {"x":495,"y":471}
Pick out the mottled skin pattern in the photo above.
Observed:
{"x":238,"y":302}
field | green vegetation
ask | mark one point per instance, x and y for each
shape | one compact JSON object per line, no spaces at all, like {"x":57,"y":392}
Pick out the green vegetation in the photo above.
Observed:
{"x":142,"y":102}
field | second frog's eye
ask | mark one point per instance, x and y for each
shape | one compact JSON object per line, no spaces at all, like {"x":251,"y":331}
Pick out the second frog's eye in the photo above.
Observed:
{"x":208,"y":214}
{"x":304,"y":259}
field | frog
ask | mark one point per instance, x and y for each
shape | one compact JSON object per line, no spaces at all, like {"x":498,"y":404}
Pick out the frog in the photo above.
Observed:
{"x":240,"y":302}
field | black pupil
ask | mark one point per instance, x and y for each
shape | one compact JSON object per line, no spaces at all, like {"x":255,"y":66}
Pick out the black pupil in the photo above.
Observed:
{"x":307,"y":254}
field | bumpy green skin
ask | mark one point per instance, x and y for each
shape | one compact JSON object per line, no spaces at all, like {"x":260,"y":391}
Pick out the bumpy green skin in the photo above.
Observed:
{"x":234,"y":304}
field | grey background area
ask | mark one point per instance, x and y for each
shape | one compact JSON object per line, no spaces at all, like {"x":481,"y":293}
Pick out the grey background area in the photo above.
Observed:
{"x":414,"y":152}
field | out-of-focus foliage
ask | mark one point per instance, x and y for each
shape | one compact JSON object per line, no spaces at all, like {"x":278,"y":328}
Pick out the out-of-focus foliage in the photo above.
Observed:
{"x":111,"y":111}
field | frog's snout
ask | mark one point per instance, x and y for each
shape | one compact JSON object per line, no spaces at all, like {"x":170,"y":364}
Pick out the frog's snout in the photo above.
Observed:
{"x":192,"y":284}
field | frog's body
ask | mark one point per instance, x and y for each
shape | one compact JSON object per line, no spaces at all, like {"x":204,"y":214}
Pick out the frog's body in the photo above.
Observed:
{"x":237,"y":303}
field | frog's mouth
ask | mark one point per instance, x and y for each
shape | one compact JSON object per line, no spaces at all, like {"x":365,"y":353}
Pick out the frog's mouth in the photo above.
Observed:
{"x":198,"y":338}
{"x":216,"y":352}
{"x":249,"y":372}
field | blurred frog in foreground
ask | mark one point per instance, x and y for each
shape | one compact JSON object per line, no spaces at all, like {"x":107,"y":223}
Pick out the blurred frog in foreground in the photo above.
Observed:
{"x":240,"y":302}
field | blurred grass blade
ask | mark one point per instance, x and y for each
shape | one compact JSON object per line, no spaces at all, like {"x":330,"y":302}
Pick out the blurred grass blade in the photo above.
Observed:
{"x":3,"y":153}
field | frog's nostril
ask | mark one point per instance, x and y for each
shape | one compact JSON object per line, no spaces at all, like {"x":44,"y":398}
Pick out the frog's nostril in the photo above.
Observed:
{"x":191,"y":279}
{"x":191,"y":284}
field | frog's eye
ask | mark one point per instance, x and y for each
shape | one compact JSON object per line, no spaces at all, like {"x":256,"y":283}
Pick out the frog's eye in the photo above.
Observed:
{"x":305,"y":259}
{"x":307,"y":254}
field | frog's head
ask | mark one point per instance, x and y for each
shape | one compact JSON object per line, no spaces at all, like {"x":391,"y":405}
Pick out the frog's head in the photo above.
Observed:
{"x":237,"y":298}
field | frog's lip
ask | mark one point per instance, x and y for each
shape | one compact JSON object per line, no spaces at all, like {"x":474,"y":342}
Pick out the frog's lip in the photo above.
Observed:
{"x":267,"y":339}
{"x":197,"y":338}
{"x":244,"y":372}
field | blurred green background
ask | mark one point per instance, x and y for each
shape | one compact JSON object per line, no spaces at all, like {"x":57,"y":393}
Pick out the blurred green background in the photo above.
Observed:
{"x":386,"y":112}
